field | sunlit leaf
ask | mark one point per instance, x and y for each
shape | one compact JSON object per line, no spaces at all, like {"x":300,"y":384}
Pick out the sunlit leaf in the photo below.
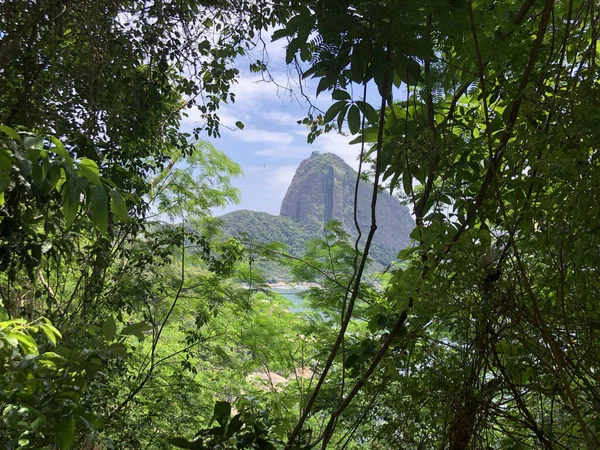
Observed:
{"x":118,"y":205}
{"x":11,"y":133}
{"x":90,"y":170}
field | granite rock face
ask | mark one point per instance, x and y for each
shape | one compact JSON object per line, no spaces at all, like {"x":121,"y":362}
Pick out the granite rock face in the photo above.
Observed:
{"x":323,"y":189}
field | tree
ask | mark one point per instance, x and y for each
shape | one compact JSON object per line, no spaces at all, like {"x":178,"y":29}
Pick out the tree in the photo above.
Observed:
{"x":486,"y":333}
{"x":93,"y":94}
{"x":492,"y":142}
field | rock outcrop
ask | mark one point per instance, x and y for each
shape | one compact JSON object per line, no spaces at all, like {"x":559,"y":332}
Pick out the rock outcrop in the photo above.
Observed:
{"x":323,"y":189}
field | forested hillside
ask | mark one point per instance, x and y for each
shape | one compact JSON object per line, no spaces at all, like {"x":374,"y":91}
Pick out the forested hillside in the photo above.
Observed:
{"x":262,"y":227}
{"x":128,"y":320}
{"x":257,"y":229}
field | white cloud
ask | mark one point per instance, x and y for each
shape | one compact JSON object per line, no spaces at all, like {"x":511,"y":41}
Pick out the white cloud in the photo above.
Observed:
{"x":227,"y":116}
{"x":252,"y":90}
{"x":327,"y":143}
{"x":285,"y":152}
{"x":257,"y":135}
{"x":279,"y":180}
{"x":281,"y":118}
{"x":302,"y":131}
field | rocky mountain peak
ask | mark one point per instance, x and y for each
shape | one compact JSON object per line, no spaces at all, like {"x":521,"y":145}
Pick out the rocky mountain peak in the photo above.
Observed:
{"x":323,"y":189}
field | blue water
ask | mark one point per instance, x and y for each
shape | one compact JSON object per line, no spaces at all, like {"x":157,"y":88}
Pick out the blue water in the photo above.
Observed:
{"x":292,"y":295}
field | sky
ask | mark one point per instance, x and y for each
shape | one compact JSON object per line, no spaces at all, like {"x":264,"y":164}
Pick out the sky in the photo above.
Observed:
{"x":272,"y":144}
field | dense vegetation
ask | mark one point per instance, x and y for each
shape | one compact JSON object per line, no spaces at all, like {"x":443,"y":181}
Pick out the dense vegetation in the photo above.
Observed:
{"x":263,"y":227}
{"x":257,"y":228}
{"x":121,"y":331}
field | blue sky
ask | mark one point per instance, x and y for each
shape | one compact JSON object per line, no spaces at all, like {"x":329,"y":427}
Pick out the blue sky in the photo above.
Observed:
{"x":272,"y":144}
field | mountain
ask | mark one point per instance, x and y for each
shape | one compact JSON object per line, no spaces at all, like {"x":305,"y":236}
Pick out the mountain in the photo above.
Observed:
{"x":323,"y":189}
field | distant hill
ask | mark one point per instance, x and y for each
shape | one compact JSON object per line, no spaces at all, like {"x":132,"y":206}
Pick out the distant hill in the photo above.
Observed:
{"x":323,"y":189}
{"x":263,"y":227}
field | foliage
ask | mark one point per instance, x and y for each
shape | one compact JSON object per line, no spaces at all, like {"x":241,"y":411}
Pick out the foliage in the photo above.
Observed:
{"x":69,"y":398}
{"x":257,"y":229}
{"x":486,"y":334}
{"x":43,"y":172}
{"x":44,"y":393}
{"x":241,"y":431}
{"x":488,"y":138}
{"x":110,"y":81}
{"x":190,"y":187}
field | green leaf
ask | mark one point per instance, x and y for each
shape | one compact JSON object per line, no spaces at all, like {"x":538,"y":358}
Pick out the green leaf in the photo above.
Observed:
{"x":354,"y":119}
{"x":339,"y":94}
{"x":52,"y":360}
{"x":118,"y":205}
{"x":342,"y":116}
{"x":92,"y":421}
{"x":370,"y":135}
{"x":38,"y":424}
{"x":70,"y":200}
{"x":234,"y":425}
{"x":49,"y":325}
{"x":22,"y":162}
{"x":33,"y":142}
{"x":57,"y":177}
{"x":6,"y":162}
{"x":99,"y":204}
{"x":407,"y":183}
{"x":323,"y":84}
{"x":65,"y":433}
{"x":11,"y":340}
{"x":333,"y":111}
{"x":137,"y":330}
{"x":51,"y":332}
{"x":40,"y":168}
{"x":11,"y":133}
{"x":109,"y":329}
{"x":358,"y":63}
{"x":240,"y":124}
{"x":368,"y":111}
{"x":291,"y":50}
{"x":222,"y":413}
{"x":26,"y":342}
{"x":12,"y":323}
{"x":118,"y":349}
{"x":89,"y":169}
{"x":60,"y":150}
{"x":278,"y":34}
